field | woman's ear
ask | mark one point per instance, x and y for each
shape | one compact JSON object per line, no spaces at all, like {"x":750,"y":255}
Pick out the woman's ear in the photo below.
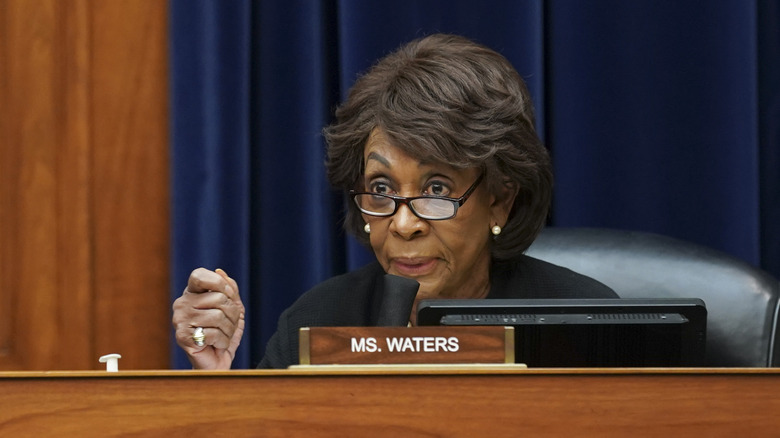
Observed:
{"x":502,"y":203}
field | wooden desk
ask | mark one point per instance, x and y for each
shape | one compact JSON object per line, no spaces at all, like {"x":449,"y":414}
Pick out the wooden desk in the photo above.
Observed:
{"x":446,"y":402}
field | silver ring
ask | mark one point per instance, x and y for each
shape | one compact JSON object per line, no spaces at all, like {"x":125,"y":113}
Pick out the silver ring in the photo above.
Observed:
{"x":198,"y":337}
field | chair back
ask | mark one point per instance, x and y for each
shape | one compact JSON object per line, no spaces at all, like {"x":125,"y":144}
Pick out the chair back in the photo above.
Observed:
{"x":742,"y":301}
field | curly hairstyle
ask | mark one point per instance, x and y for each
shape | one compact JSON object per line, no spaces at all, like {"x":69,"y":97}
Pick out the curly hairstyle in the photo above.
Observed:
{"x":453,"y":101}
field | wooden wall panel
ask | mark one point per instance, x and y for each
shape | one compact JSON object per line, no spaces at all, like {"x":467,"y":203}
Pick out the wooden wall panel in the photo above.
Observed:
{"x":45,"y":203}
{"x":74,"y":238}
{"x":130,"y":158}
{"x":83,"y":154}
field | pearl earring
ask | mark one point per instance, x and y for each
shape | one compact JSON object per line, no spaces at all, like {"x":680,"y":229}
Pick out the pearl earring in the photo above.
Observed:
{"x":367,"y":228}
{"x":496,"y":230}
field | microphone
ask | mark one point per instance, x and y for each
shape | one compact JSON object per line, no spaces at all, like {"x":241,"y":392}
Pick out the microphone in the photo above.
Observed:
{"x":397,"y":301}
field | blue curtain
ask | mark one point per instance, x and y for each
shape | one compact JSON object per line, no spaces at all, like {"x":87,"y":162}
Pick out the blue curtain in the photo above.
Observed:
{"x":210,"y":119}
{"x":661,"y":116}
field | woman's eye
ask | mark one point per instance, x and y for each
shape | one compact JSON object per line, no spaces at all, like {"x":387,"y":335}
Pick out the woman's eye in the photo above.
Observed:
{"x":380,"y":188}
{"x":438,"y":189}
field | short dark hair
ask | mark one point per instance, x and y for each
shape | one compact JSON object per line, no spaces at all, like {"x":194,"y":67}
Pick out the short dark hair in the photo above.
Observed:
{"x":448,"y":99}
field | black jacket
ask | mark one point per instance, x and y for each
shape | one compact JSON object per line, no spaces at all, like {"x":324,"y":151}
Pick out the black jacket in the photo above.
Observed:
{"x":353,"y":299}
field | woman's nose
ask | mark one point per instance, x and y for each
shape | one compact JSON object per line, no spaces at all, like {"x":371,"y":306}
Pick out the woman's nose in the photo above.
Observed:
{"x":406,"y":224}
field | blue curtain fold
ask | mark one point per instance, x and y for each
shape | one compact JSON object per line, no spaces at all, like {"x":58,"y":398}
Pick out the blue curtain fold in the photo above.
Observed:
{"x":296,"y":235}
{"x":655,"y":109}
{"x":210,"y":59}
{"x":769,"y":132}
{"x":661,"y":116}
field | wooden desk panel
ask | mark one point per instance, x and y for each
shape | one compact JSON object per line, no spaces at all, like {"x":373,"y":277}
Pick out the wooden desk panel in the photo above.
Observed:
{"x":400,"y":403}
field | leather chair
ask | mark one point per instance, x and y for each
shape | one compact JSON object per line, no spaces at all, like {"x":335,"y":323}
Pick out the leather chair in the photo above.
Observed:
{"x":742,"y":301}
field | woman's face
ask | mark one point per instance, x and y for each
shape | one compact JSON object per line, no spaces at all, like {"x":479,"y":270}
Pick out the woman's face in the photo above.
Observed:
{"x":449,"y":258}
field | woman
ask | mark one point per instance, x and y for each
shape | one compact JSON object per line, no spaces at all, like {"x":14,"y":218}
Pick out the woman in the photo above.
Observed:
{"x":448,"y":184}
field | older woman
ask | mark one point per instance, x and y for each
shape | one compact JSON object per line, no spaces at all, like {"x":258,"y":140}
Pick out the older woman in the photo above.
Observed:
{"x":448,"y":183}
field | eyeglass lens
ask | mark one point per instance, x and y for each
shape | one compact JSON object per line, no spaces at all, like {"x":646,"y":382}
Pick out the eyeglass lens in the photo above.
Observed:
{"x":429,"y":208}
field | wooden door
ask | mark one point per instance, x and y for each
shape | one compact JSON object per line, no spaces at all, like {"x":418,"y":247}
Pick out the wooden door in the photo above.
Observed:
{"x":84,"y":211}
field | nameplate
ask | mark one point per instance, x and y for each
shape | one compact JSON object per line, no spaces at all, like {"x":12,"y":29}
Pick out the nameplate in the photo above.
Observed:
{"x":406,"y":345}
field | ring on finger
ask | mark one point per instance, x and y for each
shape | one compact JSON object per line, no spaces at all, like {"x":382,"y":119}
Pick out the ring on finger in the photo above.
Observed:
{"x":199,"y":337}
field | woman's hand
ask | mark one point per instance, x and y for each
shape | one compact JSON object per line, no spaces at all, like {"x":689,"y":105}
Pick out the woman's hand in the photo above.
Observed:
{"x":210,"y":301}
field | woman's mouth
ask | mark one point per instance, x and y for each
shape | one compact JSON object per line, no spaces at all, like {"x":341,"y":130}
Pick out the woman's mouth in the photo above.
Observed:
{"x":413,"y":267}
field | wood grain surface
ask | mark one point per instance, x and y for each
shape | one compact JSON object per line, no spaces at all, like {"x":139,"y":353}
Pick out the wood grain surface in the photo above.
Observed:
{"x":84,"y":189}
{"x":393,"y":402}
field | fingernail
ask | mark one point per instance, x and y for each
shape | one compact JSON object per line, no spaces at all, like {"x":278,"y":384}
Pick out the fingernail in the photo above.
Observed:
{"x":221,"y":272}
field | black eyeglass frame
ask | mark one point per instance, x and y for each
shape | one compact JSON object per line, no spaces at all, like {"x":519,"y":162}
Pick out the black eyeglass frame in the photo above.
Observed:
{"x":398,"y":200}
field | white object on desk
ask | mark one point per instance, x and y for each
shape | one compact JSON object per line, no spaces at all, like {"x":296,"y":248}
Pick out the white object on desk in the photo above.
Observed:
{"x":111,"y":361}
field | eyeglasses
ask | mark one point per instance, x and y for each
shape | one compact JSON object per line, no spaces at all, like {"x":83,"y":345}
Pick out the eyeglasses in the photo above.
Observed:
{"x":434,"y":208}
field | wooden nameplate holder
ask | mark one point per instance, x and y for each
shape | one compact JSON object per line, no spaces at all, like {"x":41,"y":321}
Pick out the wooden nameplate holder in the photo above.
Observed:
{"x":406,"y":345}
